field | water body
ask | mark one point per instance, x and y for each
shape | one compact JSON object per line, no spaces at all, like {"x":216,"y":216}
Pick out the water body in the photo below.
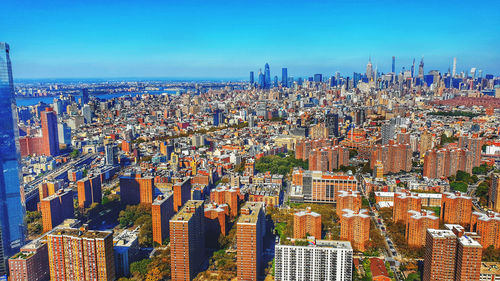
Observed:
{"x":27,"y":101}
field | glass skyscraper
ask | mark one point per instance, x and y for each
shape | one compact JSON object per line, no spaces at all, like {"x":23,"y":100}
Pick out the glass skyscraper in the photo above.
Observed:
{"x":284,"y":77}
{"x":11,"y":207}
{"x":267,"y":76}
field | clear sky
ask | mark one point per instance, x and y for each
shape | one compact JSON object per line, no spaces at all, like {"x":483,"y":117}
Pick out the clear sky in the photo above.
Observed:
{"x":227,"y":39}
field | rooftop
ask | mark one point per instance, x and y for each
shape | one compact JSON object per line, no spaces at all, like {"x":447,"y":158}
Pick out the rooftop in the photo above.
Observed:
{"x":162,"y":198}
{"x":307,"y":212}
{"x":423,"y":214}
{"x":80,"y":232}
{"x":187,"y":211}
{"x":347,"y":213}
{"x":441,"y":233}
{"x":250,"y":212}
{"x":468,"y":241}
{"x":333,"y":244}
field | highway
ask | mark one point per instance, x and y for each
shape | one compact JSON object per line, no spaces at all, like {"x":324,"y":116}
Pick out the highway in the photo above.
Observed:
{"x":31,"y":189}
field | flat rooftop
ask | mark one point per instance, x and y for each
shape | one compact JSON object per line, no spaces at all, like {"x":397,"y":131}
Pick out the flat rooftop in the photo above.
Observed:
{"x":441,"y":233}
{"x":187,"y":211}
{"x":163,"y":197}
{"x":468,"y":241}
{"x":333,"y":244}
{"x":423,"y":214}
{"x":363,"y":213}
{"x":80,"y":232}
{"x":250,"y":212}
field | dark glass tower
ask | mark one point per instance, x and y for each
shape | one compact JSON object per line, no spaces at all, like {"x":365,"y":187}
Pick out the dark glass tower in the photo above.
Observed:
{"x":251,"y":78}
{"x":393,"y":64}
{"x":284,"y":77}
{"x":11,"y":207}
{"x":85,"y":96}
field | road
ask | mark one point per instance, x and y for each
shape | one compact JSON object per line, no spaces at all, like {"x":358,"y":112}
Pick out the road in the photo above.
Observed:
{"x":390,"y":248}
{"x":471,"y":190}
{"x":31,"y":188}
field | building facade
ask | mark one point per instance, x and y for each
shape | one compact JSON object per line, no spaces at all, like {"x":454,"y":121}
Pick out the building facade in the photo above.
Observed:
{"x":456,"y":208}
{"x":325,"y":260}
{"x":417,"y":225}
{"x":404,"y":202}
{"x":187,"y":241}
{"x":56,"y":208}
{"x":250,"y":229}
{"x":135,"y":189}
{"x":306,"y":223}
{"x":11,"y":207}
{"x":162,"y":210}
{"x":31,"y":263}
{"x":355,"y":227}
{"x":81,"y":254}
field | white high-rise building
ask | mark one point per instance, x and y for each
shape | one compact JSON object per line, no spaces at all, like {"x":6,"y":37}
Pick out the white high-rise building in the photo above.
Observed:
{"x":325,"y":260}
{"x":454,"y":67}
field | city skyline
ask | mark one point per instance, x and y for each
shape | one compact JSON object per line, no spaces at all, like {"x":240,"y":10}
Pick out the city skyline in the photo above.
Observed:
{"x":201,"y":40}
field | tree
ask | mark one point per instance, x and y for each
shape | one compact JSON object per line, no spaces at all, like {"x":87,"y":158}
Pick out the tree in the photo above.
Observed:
{"x":75,"y":153}
{"x":491,"y":254}
{"x":140,"y":268}
{"x":154,"y":274}
{"x":459,"y":186}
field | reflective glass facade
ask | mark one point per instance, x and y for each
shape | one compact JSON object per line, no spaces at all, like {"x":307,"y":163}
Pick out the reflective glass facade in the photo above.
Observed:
{"x":11,"y":208}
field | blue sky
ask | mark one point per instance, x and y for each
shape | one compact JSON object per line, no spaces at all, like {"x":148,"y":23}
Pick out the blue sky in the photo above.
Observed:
{"x":227,"y":39}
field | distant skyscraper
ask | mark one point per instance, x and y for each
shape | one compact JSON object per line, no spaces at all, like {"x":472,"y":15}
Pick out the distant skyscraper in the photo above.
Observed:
{"x":393,"y":64}
{"x":284,"y":77}
{"x":421,"y":68}
{"x":267,"y":76}
{"x":11,"y":208}
{"x":369,"y":69}
{"x":387,"y":132}
{"x":262,"y":80}
{"x":412,"y":68}
{"x":50,"y":138}
{"x":251,"y":78}
{"x":318,"y":78}
{"x":275,"y":83}
{"x":64,"y":133}
{"x":454,"y":67}
{"x":332,"y":123}
{"x":87,"y":113}
{"x":85,"y":96}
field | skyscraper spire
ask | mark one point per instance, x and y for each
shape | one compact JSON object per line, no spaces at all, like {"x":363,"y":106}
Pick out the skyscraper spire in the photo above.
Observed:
{"x":421,"y":68}
{"x":369,"y":69}
{"x":412,"y":68}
